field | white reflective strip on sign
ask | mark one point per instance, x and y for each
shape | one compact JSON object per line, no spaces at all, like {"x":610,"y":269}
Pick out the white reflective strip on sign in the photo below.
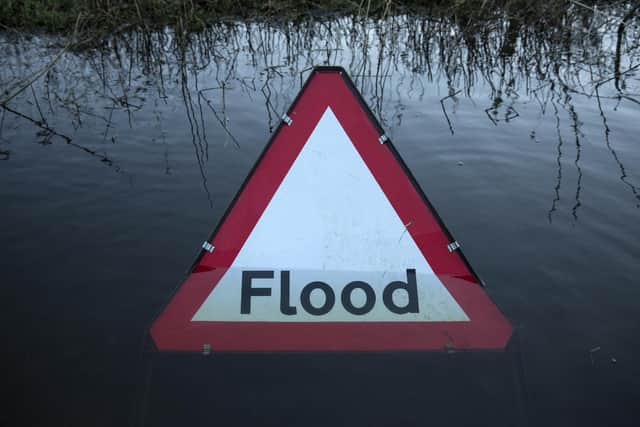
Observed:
{"x":329,"y":221}
{"x":453,"y":246}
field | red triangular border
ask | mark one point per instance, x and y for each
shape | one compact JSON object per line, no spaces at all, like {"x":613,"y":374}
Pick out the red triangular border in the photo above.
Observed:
{"x":331,"y":87}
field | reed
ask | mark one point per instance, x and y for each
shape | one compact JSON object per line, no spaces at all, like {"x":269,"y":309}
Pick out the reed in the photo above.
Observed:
{"x":59,"y":16}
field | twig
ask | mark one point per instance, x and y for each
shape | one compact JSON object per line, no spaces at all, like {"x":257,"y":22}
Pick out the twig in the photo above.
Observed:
{"x":601,"y":82}
{"x":616,"y":63}
{"x":486,"y":110}
{"x":607,"y":131}
{"x":38,"y":123}
{"x":584,"y":5}
{"x":35,"y":77}
{"x":103,"y":157}
{"x":44,"y":70}
{"x":628,"y":98}
{"x":13,"y":30}
{"x":444,"y":110}
{"x":222,"y":123}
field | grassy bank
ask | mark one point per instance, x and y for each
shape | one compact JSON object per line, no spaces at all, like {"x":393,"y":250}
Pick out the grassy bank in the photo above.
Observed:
{"x":61,"y":15}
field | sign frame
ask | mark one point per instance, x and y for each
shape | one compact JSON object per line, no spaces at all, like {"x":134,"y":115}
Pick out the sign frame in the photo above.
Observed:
{"x":351,"y":336}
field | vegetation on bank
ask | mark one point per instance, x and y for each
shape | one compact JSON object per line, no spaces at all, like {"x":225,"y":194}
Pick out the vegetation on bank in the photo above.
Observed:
{"x":111,"y":52}
{"x":61,"y":16}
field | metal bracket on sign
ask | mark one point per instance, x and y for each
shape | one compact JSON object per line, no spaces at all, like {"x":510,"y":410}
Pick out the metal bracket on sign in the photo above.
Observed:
{"x":453,"y":246}
{"x":383,"y":138}
{"x":288,"y":120}
{"x":208,"y":247}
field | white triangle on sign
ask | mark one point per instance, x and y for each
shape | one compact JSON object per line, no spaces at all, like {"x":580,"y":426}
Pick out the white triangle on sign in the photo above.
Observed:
{"x":329,"y":221}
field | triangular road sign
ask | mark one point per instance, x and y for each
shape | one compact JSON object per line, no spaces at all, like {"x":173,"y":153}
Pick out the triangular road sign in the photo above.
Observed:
{"x":330,"y":245}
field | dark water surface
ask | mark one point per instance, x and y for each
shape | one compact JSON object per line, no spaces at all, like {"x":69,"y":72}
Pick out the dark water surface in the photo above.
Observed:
{"x":119,"y":161}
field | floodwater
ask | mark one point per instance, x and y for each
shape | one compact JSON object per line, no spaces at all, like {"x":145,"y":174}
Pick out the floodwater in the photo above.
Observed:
{"x":118,"y":162}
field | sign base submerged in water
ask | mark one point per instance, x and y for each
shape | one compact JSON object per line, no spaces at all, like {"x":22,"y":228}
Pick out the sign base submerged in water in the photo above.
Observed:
{"x":330,"y":245}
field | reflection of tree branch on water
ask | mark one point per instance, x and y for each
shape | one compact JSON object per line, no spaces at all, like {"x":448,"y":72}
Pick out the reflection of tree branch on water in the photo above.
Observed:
{"x":392,"y":59}
{"x":620,"y":33}
{"x":48,"y":132}
{"x":558,"y":162}
{"x":271,"y":70}
{"x":271,"y":111}
{"x":198,"y":144}
{"x":2,"y":122}
{"x":4,"y":154}
{"x":575,"y":126}
{"x":444,"y":110}
{"x":381,"y":75}
{"x":205,"y":142}
{"x":221,"y":121}
{"x":107,"y":126}
{"x":623,"y":173}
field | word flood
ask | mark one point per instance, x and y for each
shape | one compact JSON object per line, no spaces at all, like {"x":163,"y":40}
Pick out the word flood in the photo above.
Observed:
{"x":330,"y":293}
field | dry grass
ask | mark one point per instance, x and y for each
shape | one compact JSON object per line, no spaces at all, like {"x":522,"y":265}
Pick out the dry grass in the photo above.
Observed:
{"x":59,"y":16}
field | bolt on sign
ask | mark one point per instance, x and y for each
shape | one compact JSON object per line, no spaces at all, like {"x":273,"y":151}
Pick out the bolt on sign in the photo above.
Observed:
{"x":330,"y":245}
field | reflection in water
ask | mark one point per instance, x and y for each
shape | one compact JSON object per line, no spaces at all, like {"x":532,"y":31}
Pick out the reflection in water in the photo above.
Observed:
{"x":575,"y":126}
{"x":607,"y":131}
{"x":4,"y":154}
{"x":556,"y":189}
{"x":198,"y":132}
{"x":444,"y":110}
{"x":497,"y":63}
